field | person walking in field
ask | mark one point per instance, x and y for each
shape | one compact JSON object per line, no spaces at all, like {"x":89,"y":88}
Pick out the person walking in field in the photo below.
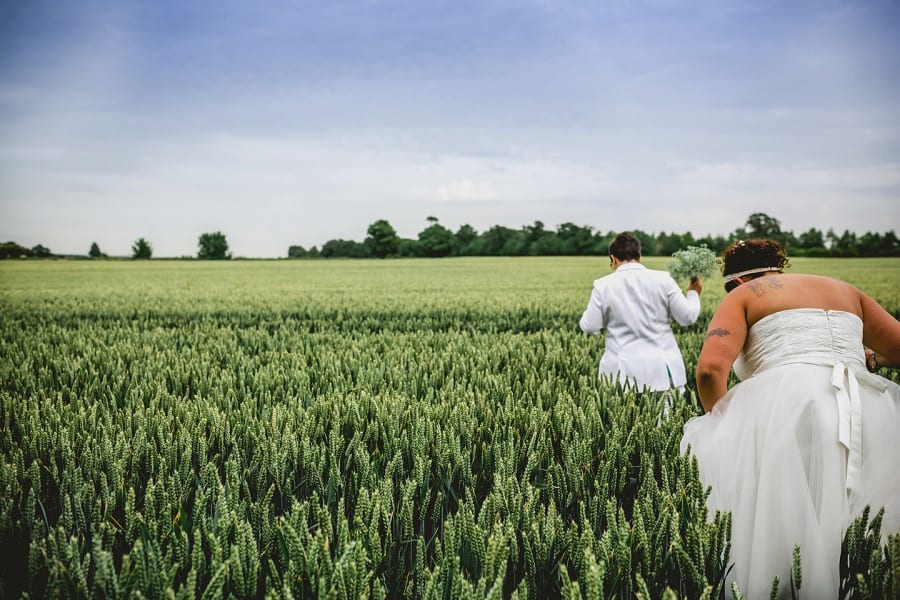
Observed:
{"x":635,"y":306}
{"x":807,"y":439}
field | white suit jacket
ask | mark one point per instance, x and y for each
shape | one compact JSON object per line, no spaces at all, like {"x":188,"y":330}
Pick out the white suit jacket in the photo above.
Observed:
{"x":635,"y":304}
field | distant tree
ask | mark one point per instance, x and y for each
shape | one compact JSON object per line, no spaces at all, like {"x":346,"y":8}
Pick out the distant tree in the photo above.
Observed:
{"x":546,"y":245}
{"x":869,"y":244}
{"x":141,"y":249}
{"x":811,"y":239}
{"x":669,"y":243}
{"x":761,"y":225}
{"x":95,"y":252}
{"x":466,"y":234}
{"x":436,"y":240}
{"x":495,"y":239}
{"x":877,"y":244}
{"x":516,"y":245}
{"x":717,"y":244}
{"x":382,"y":239}
{"x":213,"y":246}
{"x":360,"y":250}
{"x":575,"y":240}
{"x":542,"y":242}
{"x":343,"y":249}
{"x":297,"y":252}
{"x":845,"y":245}
{"x":888,"y":245}
{"x":788,"y":239}
{"x":466,"y":241}
{"x":809,"y":243}
{"x":13,"y":250}
{"x":534,"y":236}
{"x":407,"y":248}
{"x":475,"y":247}
{"x":41,"y":251}
{"x":533,"y":232}
{"x":666,"y":244}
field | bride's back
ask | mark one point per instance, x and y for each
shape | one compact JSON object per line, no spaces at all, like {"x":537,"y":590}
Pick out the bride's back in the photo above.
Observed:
{"x":772,"y":293}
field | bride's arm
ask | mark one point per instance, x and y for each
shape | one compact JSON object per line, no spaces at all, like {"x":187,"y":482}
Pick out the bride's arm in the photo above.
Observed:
{"x":724,"y":340}
{"x":881,"y":333}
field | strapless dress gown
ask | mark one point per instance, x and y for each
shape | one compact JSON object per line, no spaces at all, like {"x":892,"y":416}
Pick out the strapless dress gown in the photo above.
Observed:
{"x":798,"y":448}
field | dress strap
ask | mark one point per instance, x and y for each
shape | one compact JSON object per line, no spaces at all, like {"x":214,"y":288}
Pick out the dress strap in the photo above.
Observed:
{"x":849,"y":421}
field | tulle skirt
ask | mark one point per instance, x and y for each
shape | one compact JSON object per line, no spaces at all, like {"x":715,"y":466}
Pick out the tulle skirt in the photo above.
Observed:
{"x":777,"y":451}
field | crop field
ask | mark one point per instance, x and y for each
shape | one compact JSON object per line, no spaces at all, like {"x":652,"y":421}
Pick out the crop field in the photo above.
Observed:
{"x":350,"y":429}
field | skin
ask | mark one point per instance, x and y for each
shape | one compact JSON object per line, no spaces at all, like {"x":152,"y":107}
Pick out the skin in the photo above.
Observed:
{"x":759,"y":297}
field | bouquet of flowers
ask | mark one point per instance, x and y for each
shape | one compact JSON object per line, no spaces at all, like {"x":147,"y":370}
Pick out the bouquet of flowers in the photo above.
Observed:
{"x":693,"y":261}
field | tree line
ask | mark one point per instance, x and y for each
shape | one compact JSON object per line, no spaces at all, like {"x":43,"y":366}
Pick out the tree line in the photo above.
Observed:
{"x":569,"y":239}
{"x":211,"y":246}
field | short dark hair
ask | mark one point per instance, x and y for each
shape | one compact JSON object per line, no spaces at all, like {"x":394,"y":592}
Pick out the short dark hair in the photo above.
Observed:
{"x":625,"y":246}
{"x":744,"y":255}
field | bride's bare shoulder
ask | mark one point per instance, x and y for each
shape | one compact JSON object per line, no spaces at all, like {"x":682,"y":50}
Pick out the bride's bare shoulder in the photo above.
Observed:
{"x":823,"y":280}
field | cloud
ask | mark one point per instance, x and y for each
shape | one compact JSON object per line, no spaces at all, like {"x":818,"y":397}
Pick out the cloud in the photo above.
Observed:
{"x":723,"y":176}
{"x":466,"y":191}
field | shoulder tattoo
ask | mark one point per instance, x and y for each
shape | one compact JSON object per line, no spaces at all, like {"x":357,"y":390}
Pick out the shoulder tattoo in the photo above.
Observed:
{"x":718,"y":332}
{"x":764,"y":285}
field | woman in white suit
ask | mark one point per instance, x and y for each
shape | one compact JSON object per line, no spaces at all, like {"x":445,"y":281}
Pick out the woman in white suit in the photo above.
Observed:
{"x":635,"y":305}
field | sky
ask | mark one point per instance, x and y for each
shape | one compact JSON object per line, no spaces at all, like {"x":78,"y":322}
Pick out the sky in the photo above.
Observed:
{"x":293,"y":123}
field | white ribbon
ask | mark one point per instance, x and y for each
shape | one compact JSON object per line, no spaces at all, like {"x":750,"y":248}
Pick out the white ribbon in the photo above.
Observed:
{"x":849,"y":421}
{"x":751,"y":272}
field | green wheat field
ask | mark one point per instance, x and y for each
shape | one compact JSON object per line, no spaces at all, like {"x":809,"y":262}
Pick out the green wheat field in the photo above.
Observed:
{"x":352,"y":429}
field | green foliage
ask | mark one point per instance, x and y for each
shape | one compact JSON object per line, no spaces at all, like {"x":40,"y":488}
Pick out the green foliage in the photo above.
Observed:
{"x":95,"y":252}
{"x":761,"y":225}
{"x":437,"y":433}
{"x":301,"y":252}
{"x":213,"y":246}
{"x":13,"y":250}
{"x":570,"y":239}
{"x":382,"y":239}
{"x":344,"y":249}
{"x":466,"y":234}
{"x":436,"y":240}
{"x":141,"y":249}
{"x":578,"y":240}
{"x":867,"y":570}
{"x":667,"y":244}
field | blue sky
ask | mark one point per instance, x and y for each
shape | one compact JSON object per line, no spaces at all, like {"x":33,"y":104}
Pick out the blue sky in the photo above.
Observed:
{"x":282,"y":123}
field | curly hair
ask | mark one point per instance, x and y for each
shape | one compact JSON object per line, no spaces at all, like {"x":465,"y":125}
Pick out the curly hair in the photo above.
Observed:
{"x":746,"y":255}
{"x":625,"y":246}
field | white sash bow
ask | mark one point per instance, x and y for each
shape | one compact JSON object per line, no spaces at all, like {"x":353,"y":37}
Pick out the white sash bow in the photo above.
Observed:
{"x":849,"y":421}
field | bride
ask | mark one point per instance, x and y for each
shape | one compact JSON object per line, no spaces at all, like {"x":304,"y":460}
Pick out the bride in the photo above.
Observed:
{"x":806,"y":440}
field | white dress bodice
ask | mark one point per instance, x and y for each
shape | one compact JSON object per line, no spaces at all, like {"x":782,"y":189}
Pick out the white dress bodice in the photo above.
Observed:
{"x":802,"y":335}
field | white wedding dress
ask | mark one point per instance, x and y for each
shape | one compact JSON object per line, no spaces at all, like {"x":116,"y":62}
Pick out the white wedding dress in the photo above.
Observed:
{"x":798,"y":448}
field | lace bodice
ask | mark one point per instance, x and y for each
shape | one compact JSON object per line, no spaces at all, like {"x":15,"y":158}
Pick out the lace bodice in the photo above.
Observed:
{"x":802,"y":335}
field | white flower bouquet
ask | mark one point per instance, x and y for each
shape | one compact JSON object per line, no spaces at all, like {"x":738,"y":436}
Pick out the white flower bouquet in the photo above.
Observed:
{"x":693,"y":261}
